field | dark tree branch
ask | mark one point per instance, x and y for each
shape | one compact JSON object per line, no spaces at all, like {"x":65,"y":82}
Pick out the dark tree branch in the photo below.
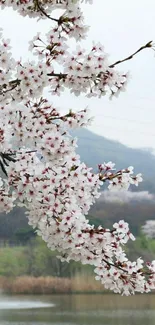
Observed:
{"x":12,"y":84}
{"x":3,"y":168}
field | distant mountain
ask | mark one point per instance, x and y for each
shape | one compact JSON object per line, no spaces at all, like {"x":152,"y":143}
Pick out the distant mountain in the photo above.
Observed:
{"x":95,"y":149}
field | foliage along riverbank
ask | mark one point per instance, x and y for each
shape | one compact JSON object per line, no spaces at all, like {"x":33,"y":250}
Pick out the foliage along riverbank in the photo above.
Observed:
{"x":36,"y":260}
{"x":35,"y":269}
{"x":50,"y":285}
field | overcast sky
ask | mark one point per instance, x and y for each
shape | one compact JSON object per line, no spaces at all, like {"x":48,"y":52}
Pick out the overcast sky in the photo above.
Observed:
{"x":122,"y":27}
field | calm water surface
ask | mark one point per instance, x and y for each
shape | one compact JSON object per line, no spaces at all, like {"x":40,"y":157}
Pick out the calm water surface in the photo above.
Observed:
{"x":77,"y":310}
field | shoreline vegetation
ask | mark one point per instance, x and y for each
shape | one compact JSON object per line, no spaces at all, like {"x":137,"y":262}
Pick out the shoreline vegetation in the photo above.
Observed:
{"x":50,"y":285}
{"x":32,"y":268}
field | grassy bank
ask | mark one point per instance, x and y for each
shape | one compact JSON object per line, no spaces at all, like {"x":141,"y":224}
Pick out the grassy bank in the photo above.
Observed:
{"x":50,"y":285}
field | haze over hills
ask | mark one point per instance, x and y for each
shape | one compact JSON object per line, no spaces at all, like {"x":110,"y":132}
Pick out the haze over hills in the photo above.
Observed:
{"x":95,"y":149}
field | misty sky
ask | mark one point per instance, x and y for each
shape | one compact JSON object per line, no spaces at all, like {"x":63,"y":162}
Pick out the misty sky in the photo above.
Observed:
{"x":122,"y":27}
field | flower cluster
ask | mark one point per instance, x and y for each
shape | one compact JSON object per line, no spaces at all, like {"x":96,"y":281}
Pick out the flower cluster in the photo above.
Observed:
{"x":36,"y":8}
{"x":82,"y":72}
{"x":70,"y":21}
{"x":42,"y":171}
{"x":149,"y":229}
{"x":119,"y":180}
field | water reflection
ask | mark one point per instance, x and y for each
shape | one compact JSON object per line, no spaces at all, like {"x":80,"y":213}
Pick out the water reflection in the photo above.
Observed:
{"x":17,"y":304}
{"x":78,"y":310}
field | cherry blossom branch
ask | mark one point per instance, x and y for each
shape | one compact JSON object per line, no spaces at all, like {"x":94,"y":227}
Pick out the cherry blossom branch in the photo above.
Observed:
{"x":147,"y":45}
{"x":16,"y":82}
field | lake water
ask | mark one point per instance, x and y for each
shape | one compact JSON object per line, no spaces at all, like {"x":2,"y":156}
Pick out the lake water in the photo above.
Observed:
{"x":77,"y":310}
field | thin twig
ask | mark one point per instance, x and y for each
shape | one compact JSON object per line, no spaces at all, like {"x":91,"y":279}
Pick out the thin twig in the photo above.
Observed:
{"x":44,"y":12}
{"x":147,"y":45}
{"x":112,"y":176}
